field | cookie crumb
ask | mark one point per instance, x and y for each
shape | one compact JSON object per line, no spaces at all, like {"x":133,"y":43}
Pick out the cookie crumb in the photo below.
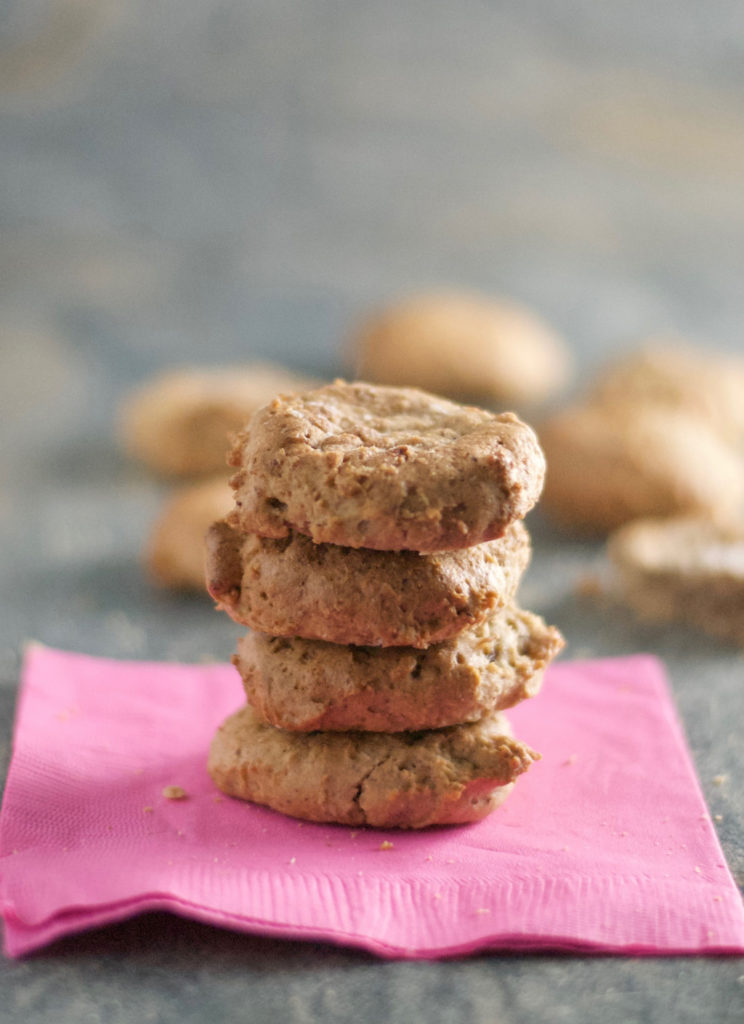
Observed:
{"x":570,"y":760}
{"x":718,"y":817}
{"x":147,"y":810}
{"x":292,"y":860}
{"x":718,"y":780}
{"x":698,"y":869}
{"x":483,"y":910}
{"x":386,"y":845}
{"x":174,"y":793}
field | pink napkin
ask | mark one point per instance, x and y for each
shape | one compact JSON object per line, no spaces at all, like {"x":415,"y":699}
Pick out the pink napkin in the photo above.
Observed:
{"x":605,"y":844}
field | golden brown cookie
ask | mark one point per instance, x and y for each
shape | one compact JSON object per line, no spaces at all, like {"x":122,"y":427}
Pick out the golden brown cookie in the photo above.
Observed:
{"x":462,"y":345}
{"x":684,"y":569}
{"x":383,"y":468}
{"x":292,"y":587}
{"x":304,"y":685}
{"x":389,"y":780}
{"x":179,"y":424}
{"x":675,"y":375}
{"x":175,"y":550}
{"x":608,"y":465}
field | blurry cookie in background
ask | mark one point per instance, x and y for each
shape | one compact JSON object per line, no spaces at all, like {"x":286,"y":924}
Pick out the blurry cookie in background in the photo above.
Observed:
{"x":658,"y":433}
{"x":673,"y":374}
{"x":683,"y":569}
{"x":175,"y":551}
{"x":609,"y":464}
{"x":464,"y":346}
{"x":178,"y":424}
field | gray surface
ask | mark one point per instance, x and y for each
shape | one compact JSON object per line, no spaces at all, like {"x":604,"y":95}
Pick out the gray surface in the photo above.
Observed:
{"x":207,"y":181}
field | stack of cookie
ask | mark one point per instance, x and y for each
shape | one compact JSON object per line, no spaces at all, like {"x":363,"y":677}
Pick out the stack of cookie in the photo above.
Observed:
{"x":375,"y":550}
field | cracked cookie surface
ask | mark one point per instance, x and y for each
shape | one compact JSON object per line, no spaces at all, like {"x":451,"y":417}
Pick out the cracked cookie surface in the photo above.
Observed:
{"x":304,"y":685}
{"x":293,"y":587}
{"x":386,"y":468}
{"x":388,"y":780}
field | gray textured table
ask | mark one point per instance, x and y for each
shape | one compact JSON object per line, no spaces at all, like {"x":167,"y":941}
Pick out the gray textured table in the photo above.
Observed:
{"x":205,"y":182}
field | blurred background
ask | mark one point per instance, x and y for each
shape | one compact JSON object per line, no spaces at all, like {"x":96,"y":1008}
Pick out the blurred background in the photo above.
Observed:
{"x":218,"y":181}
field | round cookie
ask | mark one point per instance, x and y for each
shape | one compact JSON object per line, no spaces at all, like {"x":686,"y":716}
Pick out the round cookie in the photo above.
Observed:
{"x":383,"y":468}
{"x":462,"y":345}
{"x":683,"y":569}
{"x":608,"y":465}
{"x":389,"y":780}
{"x":180,"y":423}
{"x":305,"y":685}
{"x":675,"y":375}
{"x":174,"y":554}
{"x":293,"y":587}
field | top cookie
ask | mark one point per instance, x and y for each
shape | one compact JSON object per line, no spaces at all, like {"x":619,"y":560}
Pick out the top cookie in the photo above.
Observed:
{"x":388,"y":468}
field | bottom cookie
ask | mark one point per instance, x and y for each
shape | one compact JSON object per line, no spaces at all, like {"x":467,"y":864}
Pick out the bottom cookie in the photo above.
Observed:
{"x":402,"y":780}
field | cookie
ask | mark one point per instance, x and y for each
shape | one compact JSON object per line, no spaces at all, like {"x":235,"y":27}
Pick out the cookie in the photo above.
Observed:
{"x":464,"y":346}
{"x":293,"y":587}
{"x":675,"y":375}
{"x":305,"y":685}
{"x":384,"y":468}
{"x":609,"y":465}
{"x":179,"y":424}
{"x":390,"y":780}
{"x":684,"y":569}
{"x":175,"y":550}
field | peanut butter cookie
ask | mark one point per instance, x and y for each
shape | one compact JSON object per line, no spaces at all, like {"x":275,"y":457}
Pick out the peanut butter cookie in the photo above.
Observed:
{"x":384,"y":468}
{"x":610,"y":464}
{"x":175,"y":550}
{"x":389,"y":780}
{"x":683,"y":569}
{"x":676,"y":375}
{"x":180,"y":423}
{"x":304,"y":685}
{"x":293,"y":587}
{"x":462,"y":345}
